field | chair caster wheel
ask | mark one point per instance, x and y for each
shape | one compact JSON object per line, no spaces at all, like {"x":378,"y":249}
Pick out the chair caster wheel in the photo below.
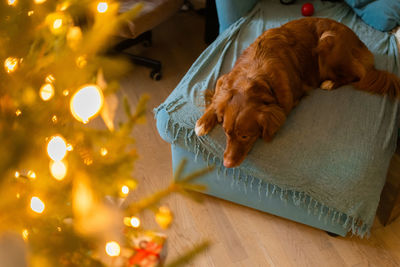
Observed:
{"x":332,"y":234}
{"x":147,"y":43}
{"x":155,"y":75}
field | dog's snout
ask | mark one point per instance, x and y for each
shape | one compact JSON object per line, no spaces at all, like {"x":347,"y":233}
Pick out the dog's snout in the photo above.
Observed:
{"x":229,"y":163}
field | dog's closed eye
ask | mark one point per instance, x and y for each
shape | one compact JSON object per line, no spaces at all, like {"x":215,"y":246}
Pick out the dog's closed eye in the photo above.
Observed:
{"x":244,"y":137}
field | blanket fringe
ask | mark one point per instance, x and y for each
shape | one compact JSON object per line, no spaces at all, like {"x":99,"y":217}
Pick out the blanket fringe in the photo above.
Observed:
{"x":238,"y":177}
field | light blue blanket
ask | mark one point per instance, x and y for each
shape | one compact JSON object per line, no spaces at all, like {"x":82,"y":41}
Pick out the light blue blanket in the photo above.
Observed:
{"x":335,"y":147}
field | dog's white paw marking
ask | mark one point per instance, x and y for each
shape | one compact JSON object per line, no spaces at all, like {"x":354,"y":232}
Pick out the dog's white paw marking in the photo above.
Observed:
{"x":327,"y":85}
{"x":199,"y":129}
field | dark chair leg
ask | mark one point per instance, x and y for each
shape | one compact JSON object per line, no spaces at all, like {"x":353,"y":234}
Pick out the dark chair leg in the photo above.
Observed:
{"x":155,"y":65}
{"x":146,"y":39}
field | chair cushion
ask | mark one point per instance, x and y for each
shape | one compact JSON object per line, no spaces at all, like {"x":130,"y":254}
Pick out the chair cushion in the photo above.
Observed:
{"x":335,"y":146}
{"x":153,"y":13}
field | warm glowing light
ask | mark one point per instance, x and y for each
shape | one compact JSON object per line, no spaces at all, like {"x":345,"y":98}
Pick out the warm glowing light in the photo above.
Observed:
{"x":32,"y":175}
{"x":18,"y":195}
{"x":103,"y":151}
{"x":30,"y":13}
{"x":18,"y":112}
{"x":25,"y":234}
{"x":86,"y":102}
{"x":39,"y":1}
{"x":164,"y":217}
{"x":37,"y":205}
{"x":125,"y":190}
{"x":65,"y":92}
{"x":58,"y":169}
{"x":11,"y":2}
{"x":88,"y":161}
{"x":64,"y":6}
{"x":11,"y":64}
{"x":74,"y":37}
{"x":17,"y":174}
{"x":135,"y":222}
{"x":70,"y":147}
{"x":57,"y":24}
{"x":113,"y":249}
{"x":46,"y":91}
{"x":102,"y":7}
{"x":54,"y":119}
{"x":83,"y":199}
{"x":81,"y":62}
{"x":57,"y":148}
{"x":50,"y":78}
{"x":132,"y":221}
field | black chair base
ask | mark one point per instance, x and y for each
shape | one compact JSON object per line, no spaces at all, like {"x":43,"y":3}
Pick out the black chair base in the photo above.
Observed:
{"x":146,"y":39}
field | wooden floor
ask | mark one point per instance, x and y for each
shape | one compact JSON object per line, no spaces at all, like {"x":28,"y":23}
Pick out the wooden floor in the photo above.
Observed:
{"x":240,"y":236}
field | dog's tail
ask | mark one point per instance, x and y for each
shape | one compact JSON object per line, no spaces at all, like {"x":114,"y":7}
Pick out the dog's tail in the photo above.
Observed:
{"x":379,"y":82}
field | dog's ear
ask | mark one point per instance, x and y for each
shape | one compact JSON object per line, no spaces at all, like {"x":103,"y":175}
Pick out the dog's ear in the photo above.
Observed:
{"x":270,"y":119}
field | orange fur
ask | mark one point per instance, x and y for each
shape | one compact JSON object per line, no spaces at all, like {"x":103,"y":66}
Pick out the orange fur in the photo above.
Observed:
{"x":276,"y":71}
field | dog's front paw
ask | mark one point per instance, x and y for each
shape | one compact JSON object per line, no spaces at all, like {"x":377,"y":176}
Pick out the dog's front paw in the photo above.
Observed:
{"x":206,"y":123}
{"x":200,"y":128}
{"x":327,"y":85}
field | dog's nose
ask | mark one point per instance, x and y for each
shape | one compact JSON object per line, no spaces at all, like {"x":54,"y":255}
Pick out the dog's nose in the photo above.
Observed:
{"x":228,"y":163}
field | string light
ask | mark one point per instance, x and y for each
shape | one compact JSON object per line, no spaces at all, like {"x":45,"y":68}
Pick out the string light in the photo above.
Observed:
{"x":113,"y":249}
{"x":81,"y":61}
{"x":74,"y":36}
{"x":57,"y":24}
{"x":65,"y":92}
{"x":58,"y":169}
{"x":50,"y":78}
{"x":64,"y":6}
{"x":57,"y":148}
{"x":88,"y":161}
{"x":11,"y":2}
{"x":54,"y":119}
{"x":86,"y":102}
{"x":39,"y":1}
{"x":46,"y":91}
{"x":124,"y":190}
{"x":11,"y":64}
{"x":18,"y":112}
{"x":103,"y":151}
{"x":102,"y":7}
{"x":17,"y":174}
{"x":32,"y":174}
{"x":18,"y":195}
{"x":30,"y":13}
{"x":37,"y":205}
{"x":135,"y":222}
{"x":25,"y":234}
{"x":70,"y":147}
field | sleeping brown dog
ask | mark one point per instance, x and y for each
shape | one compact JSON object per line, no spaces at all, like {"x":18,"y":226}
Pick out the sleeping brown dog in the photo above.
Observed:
{"x":271,"y":76}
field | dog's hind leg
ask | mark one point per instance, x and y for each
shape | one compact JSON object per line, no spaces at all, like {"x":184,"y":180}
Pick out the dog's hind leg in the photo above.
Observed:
{"x":327,"y":85}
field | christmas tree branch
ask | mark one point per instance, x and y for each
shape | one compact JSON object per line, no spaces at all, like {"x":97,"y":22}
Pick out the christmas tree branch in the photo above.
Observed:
{"x":190,"y":255}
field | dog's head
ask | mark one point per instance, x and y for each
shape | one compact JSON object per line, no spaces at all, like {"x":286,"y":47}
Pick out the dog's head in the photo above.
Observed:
{"x":248,"y":112}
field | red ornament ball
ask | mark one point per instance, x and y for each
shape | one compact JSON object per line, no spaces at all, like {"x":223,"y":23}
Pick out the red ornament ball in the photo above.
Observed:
{"x":307,"y":9}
